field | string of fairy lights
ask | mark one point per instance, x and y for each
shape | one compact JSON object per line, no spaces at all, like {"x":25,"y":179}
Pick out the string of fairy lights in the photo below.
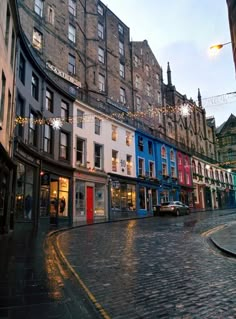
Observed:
{"x":184,"y":110}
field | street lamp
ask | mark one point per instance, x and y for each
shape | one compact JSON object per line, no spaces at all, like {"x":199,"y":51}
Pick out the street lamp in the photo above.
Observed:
{"x":216,"y":47}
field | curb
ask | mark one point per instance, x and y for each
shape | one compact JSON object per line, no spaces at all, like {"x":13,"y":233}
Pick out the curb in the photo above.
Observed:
{"x":223,"y":249}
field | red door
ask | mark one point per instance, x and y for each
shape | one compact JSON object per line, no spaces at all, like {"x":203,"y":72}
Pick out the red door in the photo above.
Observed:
{"x":89,"y":204}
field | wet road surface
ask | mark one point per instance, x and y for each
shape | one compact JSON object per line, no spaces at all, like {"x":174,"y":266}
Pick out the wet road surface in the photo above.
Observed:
{"x":161,"y":267}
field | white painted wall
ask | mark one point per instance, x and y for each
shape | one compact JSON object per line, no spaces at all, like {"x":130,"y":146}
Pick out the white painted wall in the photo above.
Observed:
{"x":105,"y":139}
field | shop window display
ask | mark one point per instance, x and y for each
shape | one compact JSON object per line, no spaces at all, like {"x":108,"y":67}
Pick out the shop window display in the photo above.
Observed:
{"x":24,"y":192}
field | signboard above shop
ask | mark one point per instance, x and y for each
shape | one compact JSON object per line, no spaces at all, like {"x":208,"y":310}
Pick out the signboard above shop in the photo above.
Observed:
{"x":63,"y":75}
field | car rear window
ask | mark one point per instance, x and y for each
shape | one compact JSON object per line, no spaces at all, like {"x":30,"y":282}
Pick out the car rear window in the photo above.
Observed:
{"x":165,"y":204}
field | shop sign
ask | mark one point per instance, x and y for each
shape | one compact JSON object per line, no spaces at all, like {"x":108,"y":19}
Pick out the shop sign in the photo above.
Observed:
{"x":115,"y":184}
{"x":63,"y":75}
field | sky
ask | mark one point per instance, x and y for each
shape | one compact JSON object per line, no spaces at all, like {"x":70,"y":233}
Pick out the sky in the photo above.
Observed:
{"x":181,"y":32}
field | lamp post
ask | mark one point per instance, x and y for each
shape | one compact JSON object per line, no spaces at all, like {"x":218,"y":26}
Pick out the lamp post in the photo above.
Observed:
{"x":216,"y":47}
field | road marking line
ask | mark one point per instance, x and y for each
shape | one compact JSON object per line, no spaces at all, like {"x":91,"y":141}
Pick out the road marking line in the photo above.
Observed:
{"x":86,"y":289}
{"x":212,"y":230}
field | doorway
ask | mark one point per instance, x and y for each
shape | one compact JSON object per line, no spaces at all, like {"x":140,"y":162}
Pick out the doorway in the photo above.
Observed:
{"x":89,"y":204}
{"x":53,"y":208}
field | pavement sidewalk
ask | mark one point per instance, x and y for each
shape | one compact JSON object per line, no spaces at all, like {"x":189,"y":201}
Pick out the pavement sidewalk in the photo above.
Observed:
{"x":225,"y":239}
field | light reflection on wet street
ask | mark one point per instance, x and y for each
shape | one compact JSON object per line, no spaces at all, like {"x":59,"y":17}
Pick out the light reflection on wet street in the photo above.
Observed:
{"x":155,"y":268}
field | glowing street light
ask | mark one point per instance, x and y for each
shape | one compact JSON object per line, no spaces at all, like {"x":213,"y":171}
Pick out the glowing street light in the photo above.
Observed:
{"x":216,"y":47}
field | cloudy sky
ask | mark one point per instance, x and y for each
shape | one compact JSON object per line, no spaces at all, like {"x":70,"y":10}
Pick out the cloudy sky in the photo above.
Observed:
{"x":181,"y":31}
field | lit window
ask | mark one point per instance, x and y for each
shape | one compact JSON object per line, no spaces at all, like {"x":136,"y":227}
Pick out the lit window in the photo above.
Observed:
{"x":163,"y":152}
{"x":164,"y":169}
{"x":100,"y":10}
{"x":100,"y":31}
{"x":121,"y":48}
{"x":114,"y":160}
{"x":122,"y":96}
{"x":128,"y":138}
{"x":71,"y":33}
{"x":122,"y":70}
{"x":80,"y":118}
{"x":97,"y":127}
{"x":129,"y":164}
{"x":35,"y":86}
{"x":37,"y":40}
{"x":32,"y":129}
{"x":101,"y":55}
{"x":172,"y":155}
{"x":38,"y":7}
{"x":47,"y":143}
{"x":114,"y":133}
{"x":72,"y":7}
{"x":101,"y":82}
{"x":71,"y":64}
{"x":49,"y":101}
{"x":64,"y":111}
{"x":64,"y":143}
{"x":173,"y":173}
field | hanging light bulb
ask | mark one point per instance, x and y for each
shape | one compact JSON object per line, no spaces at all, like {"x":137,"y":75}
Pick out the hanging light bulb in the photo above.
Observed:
{"x":56,"y":124}
{"x":185,"y":110}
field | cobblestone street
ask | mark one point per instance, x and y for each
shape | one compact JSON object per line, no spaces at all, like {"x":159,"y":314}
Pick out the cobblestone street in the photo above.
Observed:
{"x":159,"y":267}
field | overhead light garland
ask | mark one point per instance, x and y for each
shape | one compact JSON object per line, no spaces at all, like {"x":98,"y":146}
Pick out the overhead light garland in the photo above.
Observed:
{"x":184,"y":110}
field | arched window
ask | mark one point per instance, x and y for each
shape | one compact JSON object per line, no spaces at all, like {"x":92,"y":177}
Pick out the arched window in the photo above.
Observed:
{"x":172,"y":155}
{"x":194,"y":167}
{"x":163,"y":152}
{"x":217,"y":175}
{"x":199,"y":169}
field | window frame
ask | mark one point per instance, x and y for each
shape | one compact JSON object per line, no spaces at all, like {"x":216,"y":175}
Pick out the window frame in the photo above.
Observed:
{"x":72,"y":7}
{"x":71,"y":33}
{"x":38,"y":7}
{"x":35,"y":86}
{"x":49,"y":100}
{"x":64,"y":146}
{"x":48,"y":139}
{"x":64,"y":111}
{"x":37,"y":39}
{"x":71,"y":66}
{"x":101,"y":55}
{"x":97,"y":126}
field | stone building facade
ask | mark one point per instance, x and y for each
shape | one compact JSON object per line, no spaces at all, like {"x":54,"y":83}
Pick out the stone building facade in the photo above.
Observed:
{"x":226,"y":143}
{"x":93,"y":42}
{"x":8,"y":41}
{"x":147,"y":86}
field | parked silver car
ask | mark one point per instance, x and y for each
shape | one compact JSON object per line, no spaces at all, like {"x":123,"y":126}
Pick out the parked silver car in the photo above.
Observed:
{"x":174,"y":207}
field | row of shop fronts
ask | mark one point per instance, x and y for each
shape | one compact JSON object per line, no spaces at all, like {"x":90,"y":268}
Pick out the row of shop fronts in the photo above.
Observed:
{"x":43,"y":193}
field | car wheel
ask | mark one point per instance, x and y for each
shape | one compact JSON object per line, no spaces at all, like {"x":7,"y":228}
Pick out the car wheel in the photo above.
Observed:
{"x":177,"y":212}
